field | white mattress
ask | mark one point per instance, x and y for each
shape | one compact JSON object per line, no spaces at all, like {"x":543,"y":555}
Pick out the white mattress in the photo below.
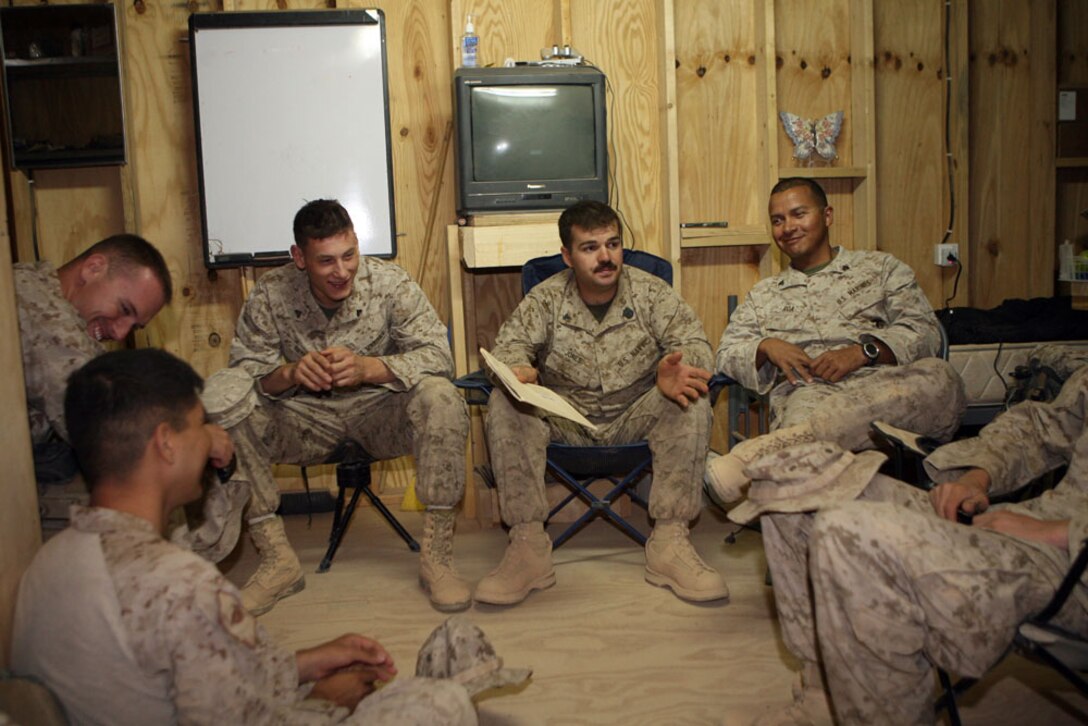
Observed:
{"x":976,"y":364}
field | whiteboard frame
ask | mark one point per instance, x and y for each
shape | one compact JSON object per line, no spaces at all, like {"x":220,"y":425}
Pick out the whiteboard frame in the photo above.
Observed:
{"x":219,"y":253}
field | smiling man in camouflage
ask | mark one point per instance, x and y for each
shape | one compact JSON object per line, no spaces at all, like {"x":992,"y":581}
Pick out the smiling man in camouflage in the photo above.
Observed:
{"x":341,"y":346}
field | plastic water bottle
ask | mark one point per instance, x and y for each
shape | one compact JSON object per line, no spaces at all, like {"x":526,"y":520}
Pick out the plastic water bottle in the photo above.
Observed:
{"x":1065,"y":259}
{"x":470,"y":44}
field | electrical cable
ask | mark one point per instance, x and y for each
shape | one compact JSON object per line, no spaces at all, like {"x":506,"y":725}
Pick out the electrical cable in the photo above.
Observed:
{"x":613,"y":185}
{"x":949,"y":161}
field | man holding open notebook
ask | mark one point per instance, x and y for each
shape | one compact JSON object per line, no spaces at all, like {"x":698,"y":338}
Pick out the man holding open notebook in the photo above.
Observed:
{"x":630,"y":355}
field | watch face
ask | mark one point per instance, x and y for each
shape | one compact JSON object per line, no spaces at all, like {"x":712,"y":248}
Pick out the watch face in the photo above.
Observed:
{"x":871,"y":351}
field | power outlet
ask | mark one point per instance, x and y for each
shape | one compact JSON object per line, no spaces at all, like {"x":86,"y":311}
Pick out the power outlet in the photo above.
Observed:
{"x":942,"y":253}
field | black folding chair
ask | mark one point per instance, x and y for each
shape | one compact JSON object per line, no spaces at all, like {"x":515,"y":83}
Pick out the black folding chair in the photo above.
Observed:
{"x":1040,"y":640}
{"x":353,"y":472}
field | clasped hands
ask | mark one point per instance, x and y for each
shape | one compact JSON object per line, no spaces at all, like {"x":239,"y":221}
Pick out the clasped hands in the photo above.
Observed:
{"x":337,"y":367}
{"x":968,"y":496}
{"x":796,"y":365}
{"x":345,"y":670}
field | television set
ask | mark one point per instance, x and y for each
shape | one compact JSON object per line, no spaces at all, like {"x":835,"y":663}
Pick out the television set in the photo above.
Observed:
{"x":530,"y":137}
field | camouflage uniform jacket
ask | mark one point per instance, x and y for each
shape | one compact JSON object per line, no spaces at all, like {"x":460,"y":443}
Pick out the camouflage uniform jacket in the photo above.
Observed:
{"x":601,"y":368}
{"x":126,"y":627}
{"x":55,"y":344}
{"x":857,"y":297}
{"x":386,"y":316}
{"x":1025,"y":442}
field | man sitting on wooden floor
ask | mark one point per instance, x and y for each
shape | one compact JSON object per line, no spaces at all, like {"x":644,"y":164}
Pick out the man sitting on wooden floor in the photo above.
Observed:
{"x":126,"y":627}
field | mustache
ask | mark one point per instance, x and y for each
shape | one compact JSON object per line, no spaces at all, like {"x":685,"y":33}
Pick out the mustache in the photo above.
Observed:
{"x":604,"y":267}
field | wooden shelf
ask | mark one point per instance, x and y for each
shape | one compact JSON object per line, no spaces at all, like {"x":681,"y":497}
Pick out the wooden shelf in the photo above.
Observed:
{"x":823,"y":172}
{"x":716,"y":237}
{"x":62,"y":67}
{"x":1075,"y":162}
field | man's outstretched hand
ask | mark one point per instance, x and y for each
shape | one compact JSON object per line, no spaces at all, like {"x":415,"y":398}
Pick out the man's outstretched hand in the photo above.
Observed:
{"x":680,"y":382}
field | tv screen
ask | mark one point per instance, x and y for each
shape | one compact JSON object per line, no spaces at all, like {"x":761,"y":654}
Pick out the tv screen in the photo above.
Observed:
{"x":524,"y":133}
{"x":530,"y":137}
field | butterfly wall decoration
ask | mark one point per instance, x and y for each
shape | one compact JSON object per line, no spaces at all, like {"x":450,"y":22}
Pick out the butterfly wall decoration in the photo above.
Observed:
{"x":813,"y":139}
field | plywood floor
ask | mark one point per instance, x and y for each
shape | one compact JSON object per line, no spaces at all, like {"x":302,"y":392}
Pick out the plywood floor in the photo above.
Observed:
{"x":606,"y":647}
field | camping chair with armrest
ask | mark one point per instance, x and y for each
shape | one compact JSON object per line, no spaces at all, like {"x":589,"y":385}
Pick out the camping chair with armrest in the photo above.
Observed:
{"x":625,"y":466}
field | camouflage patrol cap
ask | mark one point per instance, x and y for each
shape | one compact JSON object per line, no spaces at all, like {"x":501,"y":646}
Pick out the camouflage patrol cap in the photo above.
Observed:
{"x":459,"y":651}
{"x":229,"y":396}
{"x":805,"y":478}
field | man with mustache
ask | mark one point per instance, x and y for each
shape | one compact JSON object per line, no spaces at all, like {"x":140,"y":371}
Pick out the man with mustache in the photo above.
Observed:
{"x":625,"y":350}
{"x":840,"y":339}
{"x":115,"y":286}
{"x":338,"y":346}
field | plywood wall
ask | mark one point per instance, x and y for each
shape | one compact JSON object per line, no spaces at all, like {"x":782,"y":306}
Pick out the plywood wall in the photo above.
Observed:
{"x":20,"y":533}
{"x":1012,"y":77}
{"x":911,"y":79}
{"x":728,"y":145}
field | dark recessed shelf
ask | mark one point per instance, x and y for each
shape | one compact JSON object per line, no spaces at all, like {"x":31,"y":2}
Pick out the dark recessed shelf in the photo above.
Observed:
{"x":62,"y":86}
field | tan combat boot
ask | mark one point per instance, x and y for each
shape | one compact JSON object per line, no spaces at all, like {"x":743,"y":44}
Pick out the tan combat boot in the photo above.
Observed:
{"x":672,"y":562}
{"x":279,"y":574}
{"x":437,"y":576}
{"x":811,"y":704}
{"x":526,"y":566}
{"x":725,"y":474}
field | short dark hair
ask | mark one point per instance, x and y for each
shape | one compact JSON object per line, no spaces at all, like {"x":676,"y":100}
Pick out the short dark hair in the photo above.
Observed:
{"x":130,"y":252}
{"x":793,"y":182}
{"x":320,"y":219}
{"x":114,"y":403}
{"x":589,"y":215}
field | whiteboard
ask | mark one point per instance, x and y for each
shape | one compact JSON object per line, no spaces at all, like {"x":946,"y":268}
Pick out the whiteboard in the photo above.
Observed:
{"x":290,"y":107}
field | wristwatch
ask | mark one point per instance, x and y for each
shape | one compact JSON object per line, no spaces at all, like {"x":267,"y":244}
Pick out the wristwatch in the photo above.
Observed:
{"x":871,"y":351}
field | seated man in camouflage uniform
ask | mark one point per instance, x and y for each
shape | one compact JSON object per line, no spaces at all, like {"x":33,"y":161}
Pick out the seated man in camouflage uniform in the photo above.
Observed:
{"x":113,"y":287}
{"x":626,"y":351}
{"x":125,"y":627}
{"x":338,"y":347}
{"x":840,"y":339}
{"x":923,"y":591}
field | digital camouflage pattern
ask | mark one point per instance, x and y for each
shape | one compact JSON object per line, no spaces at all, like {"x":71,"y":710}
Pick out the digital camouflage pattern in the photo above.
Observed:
{"x":607,"y":371}
{"x":899,"y":590}
{"x":159,"y":636}
{"x":459,"y":650}
{"x":386,"y":316}
{"x":858,"y":296}
{"x":601,"y":368}
{"x":55,"y":344}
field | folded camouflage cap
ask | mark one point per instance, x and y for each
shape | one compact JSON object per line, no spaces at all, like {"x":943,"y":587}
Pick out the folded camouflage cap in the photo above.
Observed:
{"x":459,"y":651}
{"x":805,"y":478}
{"x":229,"y":396}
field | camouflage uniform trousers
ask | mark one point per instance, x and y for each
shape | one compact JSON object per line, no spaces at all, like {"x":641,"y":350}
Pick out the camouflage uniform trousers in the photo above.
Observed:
{"x":416,"y":702}
{"x":899,"y":591}
{"x":786,"y":545}
{"x":517,"y":439}
{"x":925,"y":397}
{"x":429,"y":421}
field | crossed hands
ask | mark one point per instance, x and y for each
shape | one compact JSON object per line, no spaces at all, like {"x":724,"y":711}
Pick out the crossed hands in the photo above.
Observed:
{"x":680,"y":382}
{"x":968,"y":495}
{"x":832,"y":365}
{"x":345,"y":670}
{"x":336,"y":367}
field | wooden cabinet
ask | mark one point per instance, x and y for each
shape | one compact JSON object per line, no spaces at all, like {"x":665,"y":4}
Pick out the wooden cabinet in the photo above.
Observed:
{"x":62,"y":86}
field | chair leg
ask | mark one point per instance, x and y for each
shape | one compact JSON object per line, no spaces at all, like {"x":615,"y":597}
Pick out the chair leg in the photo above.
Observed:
{"x":393,"y":522}
{"x":340,"y":519}
{"x":948,"y":697}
